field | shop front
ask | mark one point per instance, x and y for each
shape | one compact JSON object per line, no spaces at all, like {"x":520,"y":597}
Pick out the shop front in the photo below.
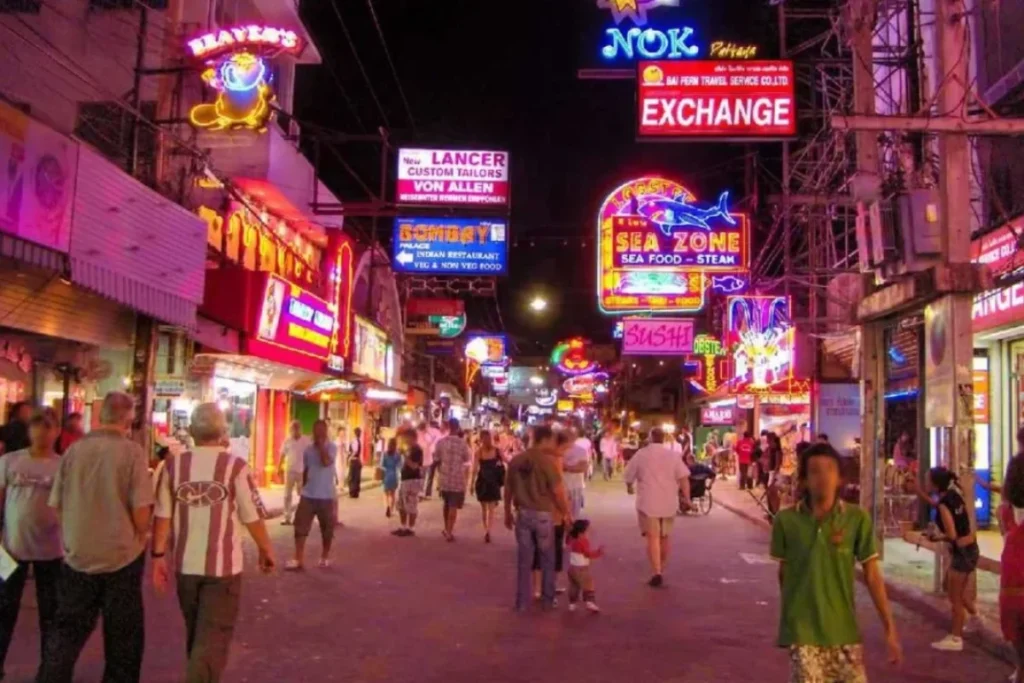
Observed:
{"x":379,"y":396}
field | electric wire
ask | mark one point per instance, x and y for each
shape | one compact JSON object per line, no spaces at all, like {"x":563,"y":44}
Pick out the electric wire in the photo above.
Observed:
{"x":359,"y":62}
{"x":391,"y":63}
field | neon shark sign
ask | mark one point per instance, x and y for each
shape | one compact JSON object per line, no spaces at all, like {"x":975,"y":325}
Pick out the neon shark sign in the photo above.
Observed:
{"x":660,"y":248}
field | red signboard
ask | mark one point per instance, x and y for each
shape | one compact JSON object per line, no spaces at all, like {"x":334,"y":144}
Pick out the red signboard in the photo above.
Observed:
{"x":639,"y":242}
{"x":998,"y":250}
{"x":425,"y":307}
{"x":450,"y":176}
{"x":716,"y":99}
{"x":717,"y":416}
{"x":295,"y":319}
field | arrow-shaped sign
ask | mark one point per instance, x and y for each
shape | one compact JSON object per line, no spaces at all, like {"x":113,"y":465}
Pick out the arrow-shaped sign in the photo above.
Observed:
{"x":404,"y":257}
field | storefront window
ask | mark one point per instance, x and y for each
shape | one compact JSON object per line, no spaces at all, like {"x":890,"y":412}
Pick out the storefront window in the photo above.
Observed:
{"x":238,"y":401}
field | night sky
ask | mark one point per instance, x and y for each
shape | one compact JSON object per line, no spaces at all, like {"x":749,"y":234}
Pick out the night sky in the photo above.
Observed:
{"x":503,"y":75}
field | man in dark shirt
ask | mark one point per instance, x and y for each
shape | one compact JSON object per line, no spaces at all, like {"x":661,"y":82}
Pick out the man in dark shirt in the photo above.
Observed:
{"x":14,"y":434}
{"x":412,"y":483}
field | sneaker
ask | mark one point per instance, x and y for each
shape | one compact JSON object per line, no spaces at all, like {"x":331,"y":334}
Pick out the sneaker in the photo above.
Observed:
{"x":572,"y":606}
{"x":656,"y":581}
{"x":950,"y":643}
{"x":592,"y":606}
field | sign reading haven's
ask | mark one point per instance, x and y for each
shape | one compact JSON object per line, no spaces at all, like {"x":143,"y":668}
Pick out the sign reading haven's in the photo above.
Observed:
{"x":657,"y":337}
{"x":450,"y":246}
{"x":295,"y":319}
{"x":716,"y":99}
{"x":449,"y":176}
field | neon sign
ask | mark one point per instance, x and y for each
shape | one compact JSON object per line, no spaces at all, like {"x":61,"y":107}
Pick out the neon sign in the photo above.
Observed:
{"x":649,"y":44}
{"x":236,"y":69}
{"x":570,"y":357}
{"x":585,"y":385}
{"x":486,"y":349}
{"x":657,"y":246}
{"x":634,"y":9}
{"x":760,"y":339}
{"x":707,"y":362}
{"x":295,"y":319}
{"x":252,"y":37}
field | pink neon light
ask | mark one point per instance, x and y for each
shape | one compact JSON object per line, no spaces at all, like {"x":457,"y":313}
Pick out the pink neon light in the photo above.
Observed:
{"x":253,"y":36}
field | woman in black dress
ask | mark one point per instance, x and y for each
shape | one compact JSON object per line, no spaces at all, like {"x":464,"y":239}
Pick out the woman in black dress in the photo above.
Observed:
{"x":489,"y":474}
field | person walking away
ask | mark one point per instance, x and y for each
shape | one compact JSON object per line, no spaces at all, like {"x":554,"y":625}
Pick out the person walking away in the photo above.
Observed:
{"x":30,"y":528}
{"x":745,"y":459}
{"x":290,"y":464}
{"x":204,"y":498}
{"x":816,"y":543}
{"x":534,"y":489}
{"x":575,"y":463}
{"x":958,"y":530}
{"x":662,"y":485}
{"x":390,"y":463}
{"x":581,"y":583}
{"x":14,"y":434}
{"x":427,"y":438}
{"x":453,"y":458}
{"x":318,"y":497}
{"x":70,"y":433}
{"x":103,"y":496}
{"x":609,"y":453}
{"x":489,"y":475}
{"x":355,"y":463}
{"x":411,"y":485}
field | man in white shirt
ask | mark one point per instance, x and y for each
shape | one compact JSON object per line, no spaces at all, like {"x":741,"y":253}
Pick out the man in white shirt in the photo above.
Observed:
{"x":290,"y":463}
{"x":609,"y":453}
{"x":426,"y":438}
{"x":575,"y":464}
{"x":207,"y":495}
{"x":661,"y":477}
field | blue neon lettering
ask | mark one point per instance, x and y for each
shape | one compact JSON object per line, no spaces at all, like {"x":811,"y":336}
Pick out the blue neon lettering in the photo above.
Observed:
{"x":649,"y":43}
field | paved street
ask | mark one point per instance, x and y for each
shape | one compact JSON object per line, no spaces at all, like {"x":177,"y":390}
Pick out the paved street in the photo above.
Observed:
{"x":424,"y":610}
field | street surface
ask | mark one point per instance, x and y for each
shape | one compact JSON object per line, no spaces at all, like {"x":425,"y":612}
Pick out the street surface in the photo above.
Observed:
{"x":423,"y":610}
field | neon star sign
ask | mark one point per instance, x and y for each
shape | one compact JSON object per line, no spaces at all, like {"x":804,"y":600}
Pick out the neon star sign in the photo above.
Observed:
{"x":633,"y":9}
{"x":641,"y":41}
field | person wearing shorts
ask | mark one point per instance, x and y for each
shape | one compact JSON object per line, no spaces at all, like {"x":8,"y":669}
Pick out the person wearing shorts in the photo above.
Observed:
{"x":318,"y":497}
{"x":411,"y":486}
{"x":453,"y":459}
{"x":662,"y":484}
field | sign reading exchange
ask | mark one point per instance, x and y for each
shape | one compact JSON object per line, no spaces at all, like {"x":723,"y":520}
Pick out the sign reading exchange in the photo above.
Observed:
{"x":450,"y":246}
{"x":657,"y":337}
{"x":453,"y":177}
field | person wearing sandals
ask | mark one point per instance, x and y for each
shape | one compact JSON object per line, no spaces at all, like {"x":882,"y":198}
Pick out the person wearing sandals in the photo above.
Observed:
{"x":489,"y":475}
{"x":318,"y":497}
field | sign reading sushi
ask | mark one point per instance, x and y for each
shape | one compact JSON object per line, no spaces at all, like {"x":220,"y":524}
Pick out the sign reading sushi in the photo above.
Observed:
{"x":658,"y":245}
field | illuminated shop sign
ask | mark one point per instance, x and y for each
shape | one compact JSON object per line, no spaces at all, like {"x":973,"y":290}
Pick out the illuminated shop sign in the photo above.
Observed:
{"x":999,"y":251}
{"x":486,"y":349}
{"x":706,"y":366}
{"x":261,"y":243}
{"x":586,"y":385}
{"x":716,"y":99}
{"x":342,"y":279}
{"x":295,"y":319}
{"x":657,"y":337}
{"x":370,"y":350}
{"x":658,"y":247}
{"x":450,"y":246}
{"x":451,"y":176}
{"x":760,"y":340}
{"x":236,"y":68}
{"x":570,"y":357}
{"x":718,"y":416}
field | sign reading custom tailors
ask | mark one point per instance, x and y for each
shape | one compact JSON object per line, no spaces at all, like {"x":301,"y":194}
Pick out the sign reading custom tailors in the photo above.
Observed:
{"x":450,"y":246}
{"x":716,"y":99}
{"x":295,"y":319}
{"x":657,"y":337}
{"x":453,"y":177}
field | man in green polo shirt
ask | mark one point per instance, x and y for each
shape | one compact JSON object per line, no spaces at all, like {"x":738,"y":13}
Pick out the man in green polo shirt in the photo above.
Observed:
{"x":817,"y":544}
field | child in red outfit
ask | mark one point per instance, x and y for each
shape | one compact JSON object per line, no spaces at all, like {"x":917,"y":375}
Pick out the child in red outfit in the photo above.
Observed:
{"x":580,"y":555}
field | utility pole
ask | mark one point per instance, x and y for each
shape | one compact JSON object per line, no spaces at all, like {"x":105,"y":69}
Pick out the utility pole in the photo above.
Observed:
{"x":946,"y":383}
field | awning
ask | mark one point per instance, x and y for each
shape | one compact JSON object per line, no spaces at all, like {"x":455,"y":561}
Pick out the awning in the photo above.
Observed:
{"x":27,"y":252}
{"x":134,"y":294}
{"x":263,"y":373}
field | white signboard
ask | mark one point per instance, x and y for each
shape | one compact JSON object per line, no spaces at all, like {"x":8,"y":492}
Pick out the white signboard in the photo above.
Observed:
{"x":452,"y":176}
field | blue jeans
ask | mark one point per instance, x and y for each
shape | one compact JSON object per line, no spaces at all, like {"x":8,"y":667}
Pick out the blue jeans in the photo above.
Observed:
{"x":535,"y":532}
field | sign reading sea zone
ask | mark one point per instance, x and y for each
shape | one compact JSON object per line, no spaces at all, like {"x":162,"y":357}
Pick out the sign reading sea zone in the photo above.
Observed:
{"x":456,"y":177}
{"x":641,"y":242}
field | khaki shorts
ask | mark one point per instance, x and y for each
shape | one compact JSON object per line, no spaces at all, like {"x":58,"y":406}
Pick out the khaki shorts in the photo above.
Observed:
{"x":655,"y":525}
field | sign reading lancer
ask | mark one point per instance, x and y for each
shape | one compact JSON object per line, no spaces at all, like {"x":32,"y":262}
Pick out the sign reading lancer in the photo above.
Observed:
{"x":716,"y":99}
{"x":450,"y":246}
{"x":449,"y":176}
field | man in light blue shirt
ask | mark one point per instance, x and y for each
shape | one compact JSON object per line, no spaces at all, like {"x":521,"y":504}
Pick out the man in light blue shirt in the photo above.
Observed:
{"x":318,"y":496}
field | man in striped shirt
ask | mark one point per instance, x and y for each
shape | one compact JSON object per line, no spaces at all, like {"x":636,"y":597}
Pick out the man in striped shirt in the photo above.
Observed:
{"x":204,"y":498}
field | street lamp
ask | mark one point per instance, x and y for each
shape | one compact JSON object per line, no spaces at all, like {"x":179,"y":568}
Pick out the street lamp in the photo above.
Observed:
{"x":538,"y":304}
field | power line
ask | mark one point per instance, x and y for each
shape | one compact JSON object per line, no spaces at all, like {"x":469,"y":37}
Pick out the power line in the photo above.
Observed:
{"x":391,"y":63}
{"x":359,"y":62}
{"x":344,"y":94}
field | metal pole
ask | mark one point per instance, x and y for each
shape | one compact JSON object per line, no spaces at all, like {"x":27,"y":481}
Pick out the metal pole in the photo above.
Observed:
{"x":140,"y":54}
{"x":787,"y":238}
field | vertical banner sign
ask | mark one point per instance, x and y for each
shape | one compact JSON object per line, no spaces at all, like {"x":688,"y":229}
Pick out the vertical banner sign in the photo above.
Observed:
{"x":939,"y":375}
{"x":452,"y":177}
{"x":657,"y":337}
{"x":716,"y":99}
